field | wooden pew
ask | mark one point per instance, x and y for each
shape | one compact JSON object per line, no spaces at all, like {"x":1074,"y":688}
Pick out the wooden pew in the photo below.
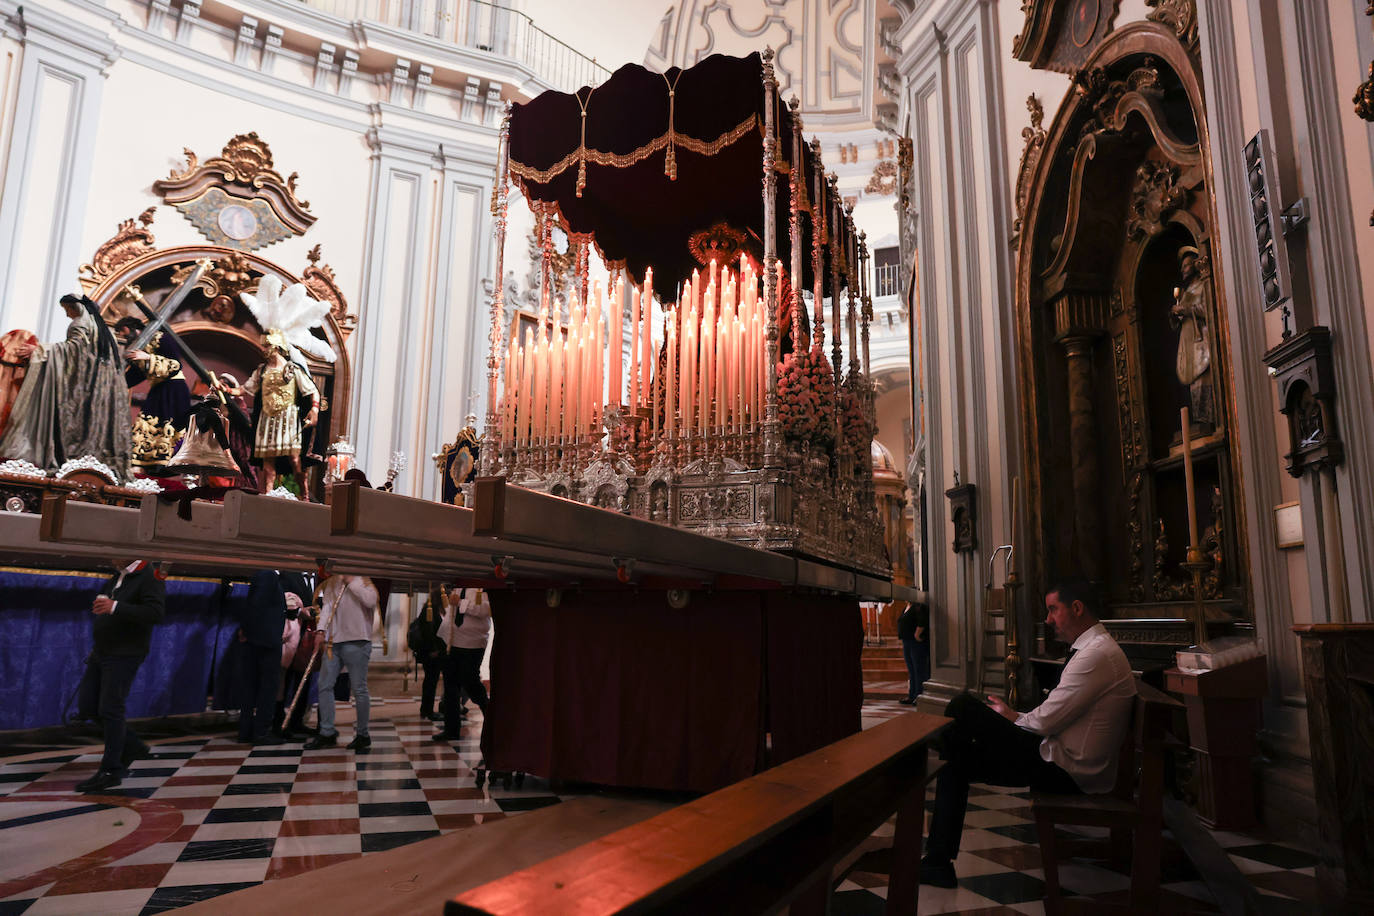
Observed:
{"x":1135,"y":804}
{"x":759,"y":844}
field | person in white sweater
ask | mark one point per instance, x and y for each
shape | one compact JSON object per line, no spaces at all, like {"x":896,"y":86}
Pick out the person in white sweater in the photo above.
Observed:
{"x":350,"y":603}
{"x":465,"y":628}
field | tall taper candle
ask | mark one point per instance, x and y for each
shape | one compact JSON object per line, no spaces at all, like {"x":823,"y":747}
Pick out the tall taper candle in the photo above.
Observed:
{"x":1188,"y":478}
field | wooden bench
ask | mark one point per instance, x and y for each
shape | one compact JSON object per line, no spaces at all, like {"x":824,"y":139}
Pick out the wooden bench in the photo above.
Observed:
{"x":1135,"y":804}
{"x":762,"y":843}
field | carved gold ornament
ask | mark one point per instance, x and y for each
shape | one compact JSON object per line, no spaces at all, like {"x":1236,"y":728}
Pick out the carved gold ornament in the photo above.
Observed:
{"x":237,"y":199}
{"x":1179,"y":15}
{"x":130,"y":241}
{"x":319,"y":279}
{"x":884,"y":178}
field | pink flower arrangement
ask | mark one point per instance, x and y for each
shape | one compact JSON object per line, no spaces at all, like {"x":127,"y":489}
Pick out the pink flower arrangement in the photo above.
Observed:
{"x":806,"y":398}
{"x":858,"y":431}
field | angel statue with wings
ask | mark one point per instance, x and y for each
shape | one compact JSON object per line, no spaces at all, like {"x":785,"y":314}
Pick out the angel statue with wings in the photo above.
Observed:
{"x":285,"y":399}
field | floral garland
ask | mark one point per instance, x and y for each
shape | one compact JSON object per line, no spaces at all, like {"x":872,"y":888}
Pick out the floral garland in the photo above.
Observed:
{"x":858,"y":431}
{"x":806,"y":402}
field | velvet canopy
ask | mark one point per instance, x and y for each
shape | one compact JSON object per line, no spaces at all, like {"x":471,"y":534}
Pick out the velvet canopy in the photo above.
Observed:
{"x":646,"y":160}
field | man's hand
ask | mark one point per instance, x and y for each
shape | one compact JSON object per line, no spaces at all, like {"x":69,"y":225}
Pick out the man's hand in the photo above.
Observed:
{"x":1000,"y":707}
{"x":103,"y":605}
{"x":312,"y":416}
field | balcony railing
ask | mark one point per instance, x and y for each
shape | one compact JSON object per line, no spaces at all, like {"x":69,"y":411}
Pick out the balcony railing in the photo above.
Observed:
{"x":886,"y":280}
{"x":481,"y":26}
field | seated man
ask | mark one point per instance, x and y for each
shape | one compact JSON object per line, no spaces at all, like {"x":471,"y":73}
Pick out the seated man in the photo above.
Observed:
{"x":1067,"y":744}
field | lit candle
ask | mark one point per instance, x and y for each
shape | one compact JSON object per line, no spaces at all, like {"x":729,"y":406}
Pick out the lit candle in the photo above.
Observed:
{"x":649,"y":355}
{"x":615,"y":341}
{"x":557,"y":425}
{"x":1188,"y":478}
{"x":634,"y":397}
{"x":668,"y":376}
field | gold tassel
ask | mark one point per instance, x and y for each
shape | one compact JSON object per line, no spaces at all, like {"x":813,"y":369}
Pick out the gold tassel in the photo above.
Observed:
{"x":582,"y":151}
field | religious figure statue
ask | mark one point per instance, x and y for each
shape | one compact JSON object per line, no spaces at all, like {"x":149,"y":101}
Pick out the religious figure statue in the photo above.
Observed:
{"x":168,"y":401}
{"x":74,"y":401}
{"x":285,"y":399}
{"x":1189,"y":315}
{"x":12,"y":368}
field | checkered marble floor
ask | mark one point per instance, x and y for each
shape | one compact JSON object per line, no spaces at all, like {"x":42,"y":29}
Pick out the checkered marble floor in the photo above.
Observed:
{"x":207,"y":816}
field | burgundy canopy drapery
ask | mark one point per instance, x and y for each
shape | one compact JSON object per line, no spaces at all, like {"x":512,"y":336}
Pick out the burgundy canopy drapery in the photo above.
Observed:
{"x":607,"y":175}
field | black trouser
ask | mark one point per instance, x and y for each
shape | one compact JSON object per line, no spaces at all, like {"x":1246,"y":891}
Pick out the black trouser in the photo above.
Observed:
{"x":434,"y":666}
{"x":102,"y":695}
{"x":259,"y":674}
{"x":462,"y":675}
{"x":981,"y":746}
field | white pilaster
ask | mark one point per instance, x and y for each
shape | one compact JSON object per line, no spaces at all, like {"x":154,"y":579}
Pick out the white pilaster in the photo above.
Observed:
{"x":47,"y":179}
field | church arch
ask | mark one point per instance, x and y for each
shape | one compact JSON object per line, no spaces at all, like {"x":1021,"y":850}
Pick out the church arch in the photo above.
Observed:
{"x":1113,"y":275}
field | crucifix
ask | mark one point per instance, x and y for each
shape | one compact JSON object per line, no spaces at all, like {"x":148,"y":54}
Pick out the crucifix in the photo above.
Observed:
{"x":158,"y":321}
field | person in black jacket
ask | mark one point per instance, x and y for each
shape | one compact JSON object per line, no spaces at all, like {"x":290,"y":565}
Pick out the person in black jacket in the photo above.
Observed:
{"x":129,"y":604}
{"x":913,"y":629}
{"x":429,"y":649}
{"x":261,"y":621}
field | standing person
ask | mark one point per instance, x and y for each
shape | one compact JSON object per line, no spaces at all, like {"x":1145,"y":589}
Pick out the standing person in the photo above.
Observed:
{"x":301,"y":673}
{"x":350,"y":603}
{"x":129,"y":604}
{"x":74,"y":400}
{"x":1066,"y":745}
{"x":913,"y":629}
{"x":423,"y":638}
{"x":290,"y":643}
{"x":465,"y":632}
{"x":261,"y":623}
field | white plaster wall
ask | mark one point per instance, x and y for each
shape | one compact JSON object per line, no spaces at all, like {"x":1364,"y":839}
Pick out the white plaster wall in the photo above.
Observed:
{"x":133,"y":150}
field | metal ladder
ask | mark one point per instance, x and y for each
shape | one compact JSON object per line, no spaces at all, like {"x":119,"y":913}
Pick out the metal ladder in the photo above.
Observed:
{"x":992,"y":651}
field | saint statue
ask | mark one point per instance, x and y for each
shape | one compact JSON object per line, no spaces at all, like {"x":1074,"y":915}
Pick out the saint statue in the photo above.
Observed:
{"x":286,"y":401}
{"x":74,"y":401}
{"x":1189,"y":315}
{"x":168,"y":401}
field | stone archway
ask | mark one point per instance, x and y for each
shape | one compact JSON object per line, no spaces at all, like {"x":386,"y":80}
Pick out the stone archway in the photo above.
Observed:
{"x":1119,"y":187}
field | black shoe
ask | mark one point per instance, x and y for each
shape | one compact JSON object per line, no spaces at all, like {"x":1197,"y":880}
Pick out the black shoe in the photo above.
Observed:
{"x":319,"y":741}
{"x":360,"y":743}
{"x":907,"y":701}
{"x":434,"y":716}
{"x":938,"y":873}
{"x":268,"y":741}
{"x":103,"y":779}
{"x":444,"y":736}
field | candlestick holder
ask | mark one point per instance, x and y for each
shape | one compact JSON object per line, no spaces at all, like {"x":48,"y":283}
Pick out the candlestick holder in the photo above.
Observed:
{"x":1011,"y":621}
{"x":1197,"y":564}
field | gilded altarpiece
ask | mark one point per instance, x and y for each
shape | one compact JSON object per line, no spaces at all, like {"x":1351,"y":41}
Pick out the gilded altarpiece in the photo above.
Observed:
{"x":1119,"y":329}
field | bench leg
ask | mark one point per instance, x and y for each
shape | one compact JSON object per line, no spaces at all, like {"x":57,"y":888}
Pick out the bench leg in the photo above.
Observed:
{"x":1049,"y":860}
{"x":904,"y":882}
{"x":1145,"y":867}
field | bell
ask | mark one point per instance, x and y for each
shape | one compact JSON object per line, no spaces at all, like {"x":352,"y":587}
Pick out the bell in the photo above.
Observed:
{"x":201,"y":453}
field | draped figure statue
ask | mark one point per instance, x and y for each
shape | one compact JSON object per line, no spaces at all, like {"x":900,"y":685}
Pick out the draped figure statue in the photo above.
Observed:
{"x":74,"y":401}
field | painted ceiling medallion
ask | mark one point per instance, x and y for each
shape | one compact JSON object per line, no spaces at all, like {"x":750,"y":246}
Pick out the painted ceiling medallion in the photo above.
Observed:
{"x":237,"y":199}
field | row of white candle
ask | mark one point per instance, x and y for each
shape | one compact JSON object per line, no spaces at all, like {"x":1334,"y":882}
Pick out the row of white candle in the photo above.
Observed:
{"x":716,"y":359}
{"x":714,"y":371}
{"x":554,"y":382}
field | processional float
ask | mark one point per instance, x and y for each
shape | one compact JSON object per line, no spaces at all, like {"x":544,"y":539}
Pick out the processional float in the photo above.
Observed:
{"x":696,"y":389}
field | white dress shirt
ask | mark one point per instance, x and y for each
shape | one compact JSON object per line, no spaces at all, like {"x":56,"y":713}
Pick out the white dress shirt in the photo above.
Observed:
{"x":349,"y":607}
{"x":472,"y":632}
{"x":1084,"y":719}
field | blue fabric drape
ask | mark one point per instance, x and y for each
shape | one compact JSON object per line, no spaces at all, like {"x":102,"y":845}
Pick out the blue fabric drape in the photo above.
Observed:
{"x":45,"y":636}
